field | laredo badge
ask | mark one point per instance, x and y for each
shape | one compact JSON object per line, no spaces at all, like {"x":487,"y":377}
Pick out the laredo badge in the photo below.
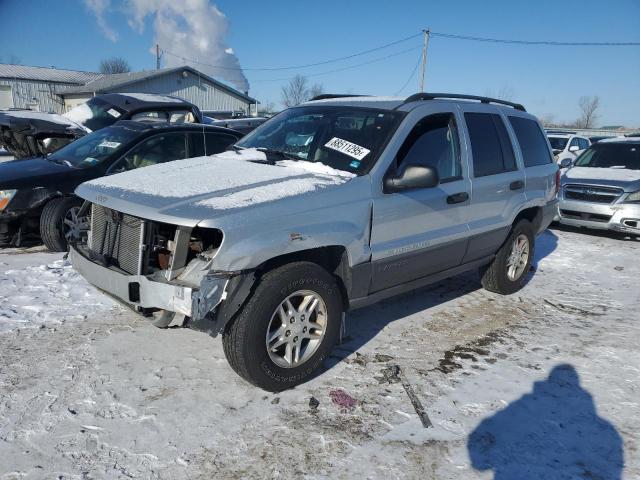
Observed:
{"x":348,"y":148}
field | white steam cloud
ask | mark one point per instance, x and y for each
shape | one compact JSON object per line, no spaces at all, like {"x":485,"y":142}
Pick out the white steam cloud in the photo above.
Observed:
{"x":98,"y":7}
{"x":189,"y":32}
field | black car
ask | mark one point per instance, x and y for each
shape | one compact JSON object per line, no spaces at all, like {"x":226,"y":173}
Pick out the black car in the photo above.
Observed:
{"x":25,"y":133}
{"x":36,"y":195}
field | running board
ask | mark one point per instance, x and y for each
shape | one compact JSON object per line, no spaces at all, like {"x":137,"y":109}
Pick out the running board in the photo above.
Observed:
{"x":418,"y":283}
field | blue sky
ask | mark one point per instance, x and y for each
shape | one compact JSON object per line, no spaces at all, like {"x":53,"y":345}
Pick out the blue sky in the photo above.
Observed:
{"x":548,"y":80}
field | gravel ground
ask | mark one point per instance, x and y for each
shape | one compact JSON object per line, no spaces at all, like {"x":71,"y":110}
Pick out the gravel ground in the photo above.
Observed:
{"x":541,"y":384}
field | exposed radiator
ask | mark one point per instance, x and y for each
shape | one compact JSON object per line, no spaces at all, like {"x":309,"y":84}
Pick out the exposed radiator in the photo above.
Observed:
{"x":118,"y":237}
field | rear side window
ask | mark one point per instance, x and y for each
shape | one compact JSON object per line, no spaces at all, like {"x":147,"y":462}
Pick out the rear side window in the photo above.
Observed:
{"x":210,"y":143}
{"x":532,"y":142}
{"x":490,"y":144}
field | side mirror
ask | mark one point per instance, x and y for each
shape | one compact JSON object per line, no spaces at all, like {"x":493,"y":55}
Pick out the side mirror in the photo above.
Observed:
{"x":574,"y":148}
{"x":566,"y":163}
{"x":411,"y":177}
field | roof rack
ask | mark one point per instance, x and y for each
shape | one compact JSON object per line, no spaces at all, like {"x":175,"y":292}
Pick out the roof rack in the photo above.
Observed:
{"x":433,"y":96}
{"x":326,"y":96}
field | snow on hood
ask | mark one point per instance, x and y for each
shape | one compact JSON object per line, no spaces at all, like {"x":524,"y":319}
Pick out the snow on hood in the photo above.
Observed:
{"x":79,"y":114}
{"x":224,"y":181}
{"x":597,"y":173}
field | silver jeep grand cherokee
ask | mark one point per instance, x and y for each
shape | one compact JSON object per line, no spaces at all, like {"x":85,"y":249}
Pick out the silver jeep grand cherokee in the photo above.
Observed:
{"x":331,"y":205}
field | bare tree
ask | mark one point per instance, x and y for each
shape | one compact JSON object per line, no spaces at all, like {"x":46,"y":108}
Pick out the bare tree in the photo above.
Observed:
{"x":315,"y":90}
{"x":548,"y":120}
{"x":506,"y":93}
{"x":588,"y":111}
{"x":298,"y":91}
{"x":114,"y":65}
{"x":267,"y":109}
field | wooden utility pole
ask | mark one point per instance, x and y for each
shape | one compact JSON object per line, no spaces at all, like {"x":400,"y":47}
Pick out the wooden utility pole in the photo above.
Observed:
{"x":425,"y":46}
{"x":157,"y":57}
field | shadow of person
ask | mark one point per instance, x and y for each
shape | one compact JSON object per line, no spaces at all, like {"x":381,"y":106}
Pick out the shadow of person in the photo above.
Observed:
{"x":551,"y":433}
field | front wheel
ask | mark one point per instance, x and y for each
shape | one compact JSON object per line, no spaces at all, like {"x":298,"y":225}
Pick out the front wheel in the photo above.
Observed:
{"x":280,"y":338}
{"x":60,"y":221}
{"x":508,"y":271}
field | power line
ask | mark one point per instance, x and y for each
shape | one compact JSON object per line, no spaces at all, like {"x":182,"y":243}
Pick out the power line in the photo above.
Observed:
{"x":375,"y":60}
{"x":536,"y":42}
{"x":413,"y":73}
{"x":295,"y":67}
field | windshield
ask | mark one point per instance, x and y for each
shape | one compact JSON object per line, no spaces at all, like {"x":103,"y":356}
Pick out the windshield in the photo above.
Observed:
{"x":94,"y":114}
{"x":611,"y":155}
{"x":558,"y":143}
{"x":94,"y":148}
{"x":344,"y":138}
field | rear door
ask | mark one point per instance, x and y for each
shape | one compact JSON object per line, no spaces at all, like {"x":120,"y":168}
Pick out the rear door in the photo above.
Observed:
{"x":423,"y":231}
{"x":536,"y":157}
{"x":497,"y":180}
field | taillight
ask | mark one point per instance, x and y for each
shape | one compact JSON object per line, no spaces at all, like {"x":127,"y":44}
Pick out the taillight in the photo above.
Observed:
{"x":557,"y":182}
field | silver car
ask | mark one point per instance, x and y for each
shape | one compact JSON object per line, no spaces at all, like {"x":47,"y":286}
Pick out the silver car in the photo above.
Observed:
{"x":331,"y":205}
{"x":602,"y":188}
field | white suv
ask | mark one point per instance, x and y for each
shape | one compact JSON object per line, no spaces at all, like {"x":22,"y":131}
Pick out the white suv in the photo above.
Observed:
{"x":567,"y":145}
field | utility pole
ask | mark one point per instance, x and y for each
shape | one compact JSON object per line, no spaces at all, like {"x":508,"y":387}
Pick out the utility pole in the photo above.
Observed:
{"x":425,"y":46}
{"x":157,"y":57}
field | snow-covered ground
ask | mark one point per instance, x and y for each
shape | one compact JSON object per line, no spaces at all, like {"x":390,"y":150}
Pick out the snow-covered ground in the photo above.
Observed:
{"x":543,"y":384}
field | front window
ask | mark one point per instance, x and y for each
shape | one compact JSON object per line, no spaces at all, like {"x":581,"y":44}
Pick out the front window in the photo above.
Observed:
{"x":558,"y":143}
{"x":611,"y":155}
{"x":94,"y":114}
{"x":345,"y":138}
{"x":94,"y":148}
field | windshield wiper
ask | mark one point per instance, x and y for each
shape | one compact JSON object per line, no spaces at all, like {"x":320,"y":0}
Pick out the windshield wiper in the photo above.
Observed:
{"x":59,"y":162}
{"x":277,"y":153}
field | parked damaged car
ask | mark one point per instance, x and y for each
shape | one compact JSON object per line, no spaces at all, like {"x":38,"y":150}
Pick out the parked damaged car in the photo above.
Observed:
{"x":25,"y":133}
{"x":36,"y":194}
{"x":331,"y":205}
{"x":601,"y":189}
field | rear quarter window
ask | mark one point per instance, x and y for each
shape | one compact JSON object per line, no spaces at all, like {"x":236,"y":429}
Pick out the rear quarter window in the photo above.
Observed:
{"x":490,"y":145}
{"x":532,"y":142}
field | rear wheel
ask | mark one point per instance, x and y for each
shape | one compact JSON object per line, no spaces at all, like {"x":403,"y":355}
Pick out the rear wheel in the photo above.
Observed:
{"x":60,"y":221}
{"x":281,"y":336}
{"x":508,"y":271}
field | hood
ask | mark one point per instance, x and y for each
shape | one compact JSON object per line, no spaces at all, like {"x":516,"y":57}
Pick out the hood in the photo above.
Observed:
{"x":21,"y":131}
{"x":185,"y":192}
{"x":34,"y":172}
{"x":629,"y":180}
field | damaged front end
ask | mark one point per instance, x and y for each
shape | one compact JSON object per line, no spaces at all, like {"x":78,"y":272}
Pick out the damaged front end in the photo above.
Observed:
{"x":161,"y":270}
{"x":30,"y":134}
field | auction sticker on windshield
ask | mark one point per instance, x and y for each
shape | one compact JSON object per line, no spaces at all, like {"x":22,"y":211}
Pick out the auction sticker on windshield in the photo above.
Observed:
{"x":348,"y":148}
{"x":113,"y":112}
{"x":107,"y":144}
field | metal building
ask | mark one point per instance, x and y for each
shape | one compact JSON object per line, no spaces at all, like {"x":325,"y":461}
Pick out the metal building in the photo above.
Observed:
{"x":35,"y":87}
{"x":53,"y":90}
{"x":184,"y":82}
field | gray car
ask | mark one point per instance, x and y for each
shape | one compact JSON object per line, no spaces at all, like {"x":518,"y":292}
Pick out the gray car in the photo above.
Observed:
{"x":601,"y":189}
{"x":331,"y":205}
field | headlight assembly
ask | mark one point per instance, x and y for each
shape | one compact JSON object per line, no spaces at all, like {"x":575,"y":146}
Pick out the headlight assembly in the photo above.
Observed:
{"x":633,"y":197}
{"x":5,"y":198}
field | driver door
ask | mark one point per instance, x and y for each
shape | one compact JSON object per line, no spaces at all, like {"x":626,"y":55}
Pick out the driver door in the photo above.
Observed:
{"x":420,"y":232}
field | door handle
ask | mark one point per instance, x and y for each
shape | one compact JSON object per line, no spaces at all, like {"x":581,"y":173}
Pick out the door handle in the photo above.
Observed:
{"x":457,"y":198}
{"x":517,"y":185}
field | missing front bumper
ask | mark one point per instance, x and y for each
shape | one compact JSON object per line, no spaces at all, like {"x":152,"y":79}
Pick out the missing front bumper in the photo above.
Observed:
{"x":140,"y":291}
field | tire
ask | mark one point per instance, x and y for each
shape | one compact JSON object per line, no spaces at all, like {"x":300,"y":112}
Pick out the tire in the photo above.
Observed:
{"x":52,"y":229}
{"x":497,"y":277}
{"x":245,"y":338}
